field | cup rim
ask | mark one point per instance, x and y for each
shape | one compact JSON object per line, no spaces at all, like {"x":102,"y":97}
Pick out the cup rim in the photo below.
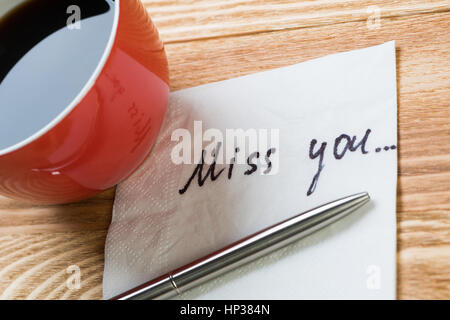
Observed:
{"x":83,"y":92}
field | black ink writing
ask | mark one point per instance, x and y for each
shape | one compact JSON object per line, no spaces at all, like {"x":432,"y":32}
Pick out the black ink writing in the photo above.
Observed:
{"x":213,"y":175}
{"x":253,"y":166}
{"x":342,"y":144}
{"x":386,"y":148}
{"x":199,"y":171}
{"x":350,"y":144}
{"x":232,"y":162}
{"x":312,"y":155}
{"x":269,"y":163}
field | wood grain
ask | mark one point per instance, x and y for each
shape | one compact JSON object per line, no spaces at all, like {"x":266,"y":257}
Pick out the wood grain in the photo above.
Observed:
{"x":188,"y":20}
{"x":214,"y":40}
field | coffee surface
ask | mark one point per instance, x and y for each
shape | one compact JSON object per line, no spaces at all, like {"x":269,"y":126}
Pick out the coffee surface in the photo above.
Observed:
{"x":47,"y":56}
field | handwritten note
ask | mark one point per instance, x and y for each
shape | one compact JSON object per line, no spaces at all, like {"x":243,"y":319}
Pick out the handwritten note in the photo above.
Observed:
{"x":236,"y":156}
{"x":342,"y":144}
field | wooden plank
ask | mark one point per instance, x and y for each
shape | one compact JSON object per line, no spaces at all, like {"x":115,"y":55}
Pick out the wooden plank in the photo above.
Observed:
{"x":39,"y":243}
{"x":36,"y":266}
{"x":188,"y":20}
{"x":23,"y":218}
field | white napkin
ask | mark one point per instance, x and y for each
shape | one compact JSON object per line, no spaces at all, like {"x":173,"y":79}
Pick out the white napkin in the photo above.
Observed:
{"x":155,"y":229}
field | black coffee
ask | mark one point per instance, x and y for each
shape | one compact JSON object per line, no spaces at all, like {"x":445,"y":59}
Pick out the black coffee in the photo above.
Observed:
{"x":47,"y":56}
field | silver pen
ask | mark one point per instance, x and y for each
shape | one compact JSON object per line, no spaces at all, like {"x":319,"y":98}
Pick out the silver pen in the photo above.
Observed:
{"x":245,"y":250}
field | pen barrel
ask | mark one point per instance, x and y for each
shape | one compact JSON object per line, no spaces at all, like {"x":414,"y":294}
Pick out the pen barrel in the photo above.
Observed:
{"x":263,"y":242}
{"x":159,"y":288}
{"x":246,"y":250}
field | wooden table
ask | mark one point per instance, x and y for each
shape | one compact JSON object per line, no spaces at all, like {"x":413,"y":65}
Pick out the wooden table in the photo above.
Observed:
{"x":211,"y":40}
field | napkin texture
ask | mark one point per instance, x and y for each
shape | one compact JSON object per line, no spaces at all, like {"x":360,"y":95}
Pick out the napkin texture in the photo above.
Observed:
{"x":156,"y":229}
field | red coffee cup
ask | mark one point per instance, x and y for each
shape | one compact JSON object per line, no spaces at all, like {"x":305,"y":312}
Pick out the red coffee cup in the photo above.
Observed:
{"x":107,"y":131}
